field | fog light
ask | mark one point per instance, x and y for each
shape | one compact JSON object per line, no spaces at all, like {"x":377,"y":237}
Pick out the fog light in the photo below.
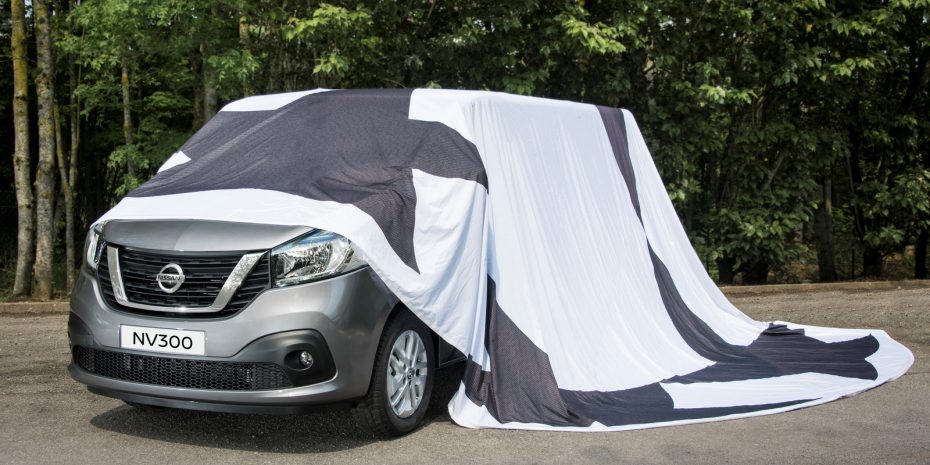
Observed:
{"x":306,"y":359}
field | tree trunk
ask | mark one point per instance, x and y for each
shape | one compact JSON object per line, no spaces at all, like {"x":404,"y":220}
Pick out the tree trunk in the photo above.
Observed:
{"x":67,"y":194}
{"x":245,"y":42}
{"x":871,"y":263}
{"x":758,"y":273}
{"x":823,"y":232}
{"x":22,"y":169}
{"x":45,"y":174}
{"x":852,"y":263}
{"x":75,"y":140}
{"x":725,"y":270}
{"x":127,"y":114}
{"x":920,"y":256}
{"x":871,"y":256}
{"x":196,"y":66}
{"x":209,"y":85}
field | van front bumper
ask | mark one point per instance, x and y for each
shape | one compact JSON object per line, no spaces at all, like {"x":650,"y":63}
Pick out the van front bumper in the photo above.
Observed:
{"x":338,"y":320}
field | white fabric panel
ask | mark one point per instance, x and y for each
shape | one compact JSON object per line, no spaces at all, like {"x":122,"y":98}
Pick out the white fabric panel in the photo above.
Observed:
{"x":763,"y":391}
{"x":891,"y":360}
{"x":443,"y":261}
{"x":825,"y":334}
{"x":444,"y":106}
{"x":267,"y":102}
{"x":177,"y":159}
{"x":449,"y":211}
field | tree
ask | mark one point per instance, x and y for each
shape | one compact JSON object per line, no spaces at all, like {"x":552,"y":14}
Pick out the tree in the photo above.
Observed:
{"x":25,"y":250}
{"x":823,"y":232}
{"x":45,"y":173}
{"x":68,"y":161}
{"x":109,"y":46}
{"x":67,"y":167}
{"x":784,"y":130}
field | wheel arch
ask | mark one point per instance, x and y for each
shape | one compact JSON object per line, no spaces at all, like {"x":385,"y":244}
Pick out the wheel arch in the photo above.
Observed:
{"x":438,"y":343}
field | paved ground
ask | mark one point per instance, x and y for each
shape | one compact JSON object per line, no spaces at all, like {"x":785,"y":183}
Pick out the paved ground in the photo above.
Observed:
{"x":47,"y":418}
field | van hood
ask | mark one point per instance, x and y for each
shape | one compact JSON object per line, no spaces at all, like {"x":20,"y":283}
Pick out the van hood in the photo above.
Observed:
{"x":198,"y":235}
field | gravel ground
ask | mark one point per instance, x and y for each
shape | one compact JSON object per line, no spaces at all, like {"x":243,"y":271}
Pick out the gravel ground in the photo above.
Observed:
{"x":45,"y":417}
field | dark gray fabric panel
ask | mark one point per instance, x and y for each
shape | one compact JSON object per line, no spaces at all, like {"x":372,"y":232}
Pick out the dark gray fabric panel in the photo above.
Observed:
{"x":520,"y":386}
{"x":351,"y":146}
{"x":649,"y":404}
{"x":616,"y":134}
{"x":790,"y":354}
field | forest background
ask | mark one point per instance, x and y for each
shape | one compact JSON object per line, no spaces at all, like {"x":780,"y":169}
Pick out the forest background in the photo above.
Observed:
{"x":792,"y":135}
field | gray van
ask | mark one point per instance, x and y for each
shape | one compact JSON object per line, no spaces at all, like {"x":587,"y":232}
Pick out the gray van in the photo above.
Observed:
{"x":247,"y":318}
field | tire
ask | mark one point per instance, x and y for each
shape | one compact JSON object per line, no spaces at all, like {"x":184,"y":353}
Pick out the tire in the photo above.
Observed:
{"x":375,"y":412}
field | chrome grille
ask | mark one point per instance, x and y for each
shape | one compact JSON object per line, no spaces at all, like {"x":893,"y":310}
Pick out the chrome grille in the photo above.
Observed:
{"x":205,"y":275}
{"x":256,"y":283}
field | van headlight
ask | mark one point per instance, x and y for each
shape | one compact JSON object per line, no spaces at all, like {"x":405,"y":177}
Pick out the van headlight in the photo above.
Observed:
{"x":314,"y":256}
{"x":94,"y":245}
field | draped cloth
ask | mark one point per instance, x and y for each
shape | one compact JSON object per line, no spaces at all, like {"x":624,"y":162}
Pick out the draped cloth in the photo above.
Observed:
{"x":535,"y":236}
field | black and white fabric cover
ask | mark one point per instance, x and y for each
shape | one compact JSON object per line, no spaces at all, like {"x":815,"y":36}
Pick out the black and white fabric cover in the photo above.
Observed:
{"x":535,"y":236}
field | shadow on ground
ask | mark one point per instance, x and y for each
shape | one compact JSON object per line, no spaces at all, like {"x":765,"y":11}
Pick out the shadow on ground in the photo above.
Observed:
{"x":326,"y":431}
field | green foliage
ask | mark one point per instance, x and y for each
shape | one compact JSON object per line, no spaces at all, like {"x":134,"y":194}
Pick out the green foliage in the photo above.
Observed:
{"x":336,"y":37}
{"x":905,"y":202}
{"x":597,"y":37}
{"x":234,"y":68}
{"x":748,"y":107}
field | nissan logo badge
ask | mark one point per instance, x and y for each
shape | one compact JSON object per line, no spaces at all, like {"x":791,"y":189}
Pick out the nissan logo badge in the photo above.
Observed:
{"x":170,"y":278}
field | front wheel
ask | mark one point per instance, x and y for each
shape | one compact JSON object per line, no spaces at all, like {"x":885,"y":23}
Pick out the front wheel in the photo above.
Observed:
{"x":402,"y":379}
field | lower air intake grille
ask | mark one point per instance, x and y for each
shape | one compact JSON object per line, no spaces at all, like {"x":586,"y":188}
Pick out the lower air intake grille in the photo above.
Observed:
{"x":178,"y":372}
